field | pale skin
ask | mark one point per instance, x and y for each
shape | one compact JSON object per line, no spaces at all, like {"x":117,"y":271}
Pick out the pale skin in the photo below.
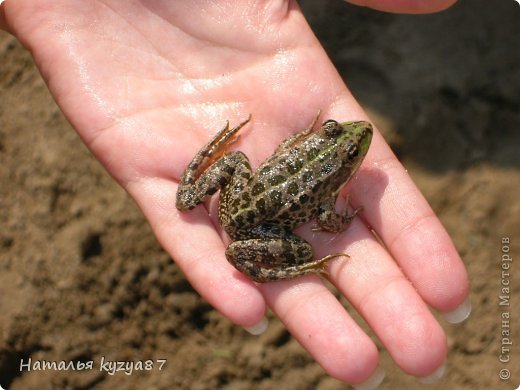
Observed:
{"x":145,"y":84}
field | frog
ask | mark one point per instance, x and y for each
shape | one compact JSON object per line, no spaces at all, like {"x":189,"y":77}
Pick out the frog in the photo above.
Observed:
{"x":298,"y":183}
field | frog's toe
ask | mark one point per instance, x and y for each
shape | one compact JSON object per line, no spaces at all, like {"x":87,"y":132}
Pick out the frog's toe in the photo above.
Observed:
{"x":323,"y":270}
{"x":321,"y":265}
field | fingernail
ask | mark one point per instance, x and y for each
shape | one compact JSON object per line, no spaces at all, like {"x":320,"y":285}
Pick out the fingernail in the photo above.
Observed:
{"x":432,"y":378}
{"x":373,"y":381}
{"x":459,"y":314}
{"x":258,"y":328}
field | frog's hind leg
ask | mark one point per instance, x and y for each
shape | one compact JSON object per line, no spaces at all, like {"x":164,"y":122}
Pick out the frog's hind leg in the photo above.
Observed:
{"x":211,"y":152}
{"x":211,"y":169}
{"x":269,"y":258}
{"x":217,"y":176}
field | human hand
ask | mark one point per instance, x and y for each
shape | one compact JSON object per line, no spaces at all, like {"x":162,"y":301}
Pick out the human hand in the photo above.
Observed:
{"x":145,"y":85}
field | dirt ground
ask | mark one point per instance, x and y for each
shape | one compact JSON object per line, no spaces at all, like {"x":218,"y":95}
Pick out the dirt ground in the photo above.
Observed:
{"x":82,"y":277}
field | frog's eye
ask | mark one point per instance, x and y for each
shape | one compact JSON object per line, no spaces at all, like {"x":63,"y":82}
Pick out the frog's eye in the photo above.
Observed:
{"x":331,"y":127}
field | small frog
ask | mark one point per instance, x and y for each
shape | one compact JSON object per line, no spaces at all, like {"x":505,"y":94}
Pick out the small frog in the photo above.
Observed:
{"x":298,"y":183}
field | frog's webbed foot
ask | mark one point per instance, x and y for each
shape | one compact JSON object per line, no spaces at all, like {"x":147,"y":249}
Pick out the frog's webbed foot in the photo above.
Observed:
{"x":227,"y":137}
{"x":214,"y":149}
{"x":331,"y":221}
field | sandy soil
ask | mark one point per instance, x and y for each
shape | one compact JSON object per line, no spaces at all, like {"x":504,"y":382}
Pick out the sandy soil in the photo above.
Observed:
{"x":82,"y":277}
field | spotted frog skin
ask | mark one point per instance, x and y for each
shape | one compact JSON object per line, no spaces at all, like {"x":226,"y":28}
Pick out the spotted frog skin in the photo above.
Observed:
{"x":298,"y":183}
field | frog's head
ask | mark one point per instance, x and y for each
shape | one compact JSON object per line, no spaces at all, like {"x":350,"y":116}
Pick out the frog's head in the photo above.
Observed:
{"x":352,"y":139}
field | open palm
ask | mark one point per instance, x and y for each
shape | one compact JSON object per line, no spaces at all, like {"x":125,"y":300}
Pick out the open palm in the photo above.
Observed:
{"x":147,"y":83}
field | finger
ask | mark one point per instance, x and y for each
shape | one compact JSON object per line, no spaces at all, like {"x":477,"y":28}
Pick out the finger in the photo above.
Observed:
{"x":3,"y":22}
{"x":198,"y":250}
{"x":406,"y":6}
{"x":414,"y":236}
{"x":322,"y":326}
{"x":379,"y":291}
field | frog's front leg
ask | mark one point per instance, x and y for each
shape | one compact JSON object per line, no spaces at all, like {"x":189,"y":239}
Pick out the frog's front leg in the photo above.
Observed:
{"x":274,"y":258}
{"x":331,"y":221}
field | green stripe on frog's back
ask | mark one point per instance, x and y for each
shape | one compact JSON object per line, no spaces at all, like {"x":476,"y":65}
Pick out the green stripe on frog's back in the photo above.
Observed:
{"x":288,"y":188}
